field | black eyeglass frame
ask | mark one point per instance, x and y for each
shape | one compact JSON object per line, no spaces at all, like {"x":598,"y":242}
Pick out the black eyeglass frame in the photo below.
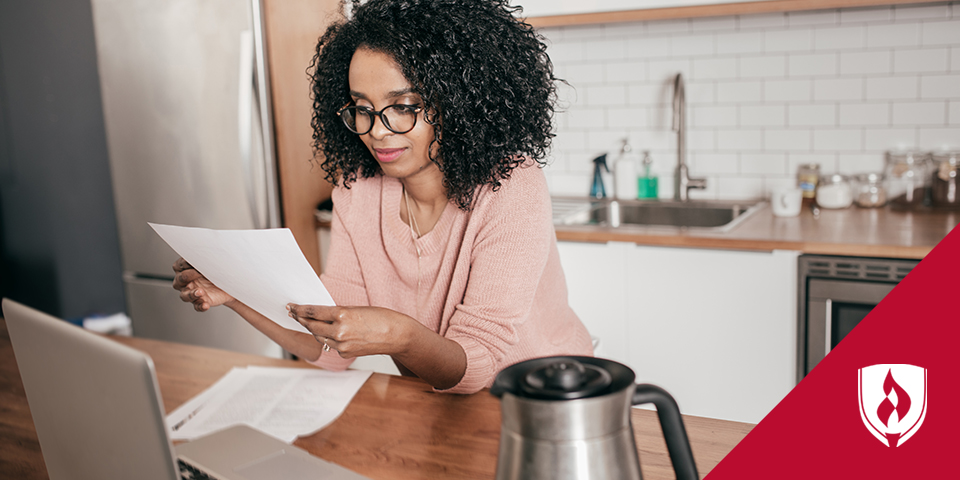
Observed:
{"x":416,"y":109}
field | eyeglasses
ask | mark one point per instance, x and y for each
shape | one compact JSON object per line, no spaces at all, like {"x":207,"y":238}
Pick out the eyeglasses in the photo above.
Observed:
{"x":397,"y":118}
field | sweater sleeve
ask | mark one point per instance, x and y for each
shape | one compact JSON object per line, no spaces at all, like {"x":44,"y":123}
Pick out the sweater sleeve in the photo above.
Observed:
{"x":509,"y":253}
{"x":341,"y":275}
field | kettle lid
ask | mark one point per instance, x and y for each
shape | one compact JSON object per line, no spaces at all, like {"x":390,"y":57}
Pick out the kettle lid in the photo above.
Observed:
{"x":561,"y":378}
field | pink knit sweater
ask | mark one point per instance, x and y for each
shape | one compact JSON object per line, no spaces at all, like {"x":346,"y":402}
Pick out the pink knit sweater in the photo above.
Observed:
{"x":490,"y":279}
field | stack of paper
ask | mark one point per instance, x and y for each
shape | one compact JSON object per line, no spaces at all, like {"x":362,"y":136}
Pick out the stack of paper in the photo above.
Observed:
{"x":283,"y":402}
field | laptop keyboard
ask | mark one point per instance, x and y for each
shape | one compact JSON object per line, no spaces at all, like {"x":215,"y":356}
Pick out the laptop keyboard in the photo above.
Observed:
{"x":189,"y":472}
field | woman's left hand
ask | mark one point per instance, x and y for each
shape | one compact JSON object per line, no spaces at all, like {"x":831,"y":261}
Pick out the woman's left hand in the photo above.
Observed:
{"x":355,"y":331}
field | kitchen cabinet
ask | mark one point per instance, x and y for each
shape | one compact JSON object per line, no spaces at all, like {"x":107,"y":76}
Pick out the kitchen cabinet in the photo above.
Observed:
{"x":716,"y":328}
{"x":551,"y":13}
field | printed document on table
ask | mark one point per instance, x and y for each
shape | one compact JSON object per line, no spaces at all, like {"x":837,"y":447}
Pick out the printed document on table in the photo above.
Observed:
{"x":283,"y":402}
{"x":264,"y":269}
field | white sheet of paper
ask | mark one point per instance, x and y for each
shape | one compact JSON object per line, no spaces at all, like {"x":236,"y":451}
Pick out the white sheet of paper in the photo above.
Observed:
{"x":283,"y":402}
{"x":264,"y":269}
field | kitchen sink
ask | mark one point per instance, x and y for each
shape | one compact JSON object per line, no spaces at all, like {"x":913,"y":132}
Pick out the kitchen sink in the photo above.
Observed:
{"x":702,"y":215}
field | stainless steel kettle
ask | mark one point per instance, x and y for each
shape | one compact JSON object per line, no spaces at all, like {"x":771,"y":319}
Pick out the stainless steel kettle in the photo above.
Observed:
{"x":569,"y":418}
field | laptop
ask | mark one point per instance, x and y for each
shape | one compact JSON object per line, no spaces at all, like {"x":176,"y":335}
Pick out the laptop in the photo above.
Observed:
{"x":98,"y":414}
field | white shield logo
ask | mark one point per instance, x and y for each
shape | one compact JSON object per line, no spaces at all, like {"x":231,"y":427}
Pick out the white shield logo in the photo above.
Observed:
{"x":893,"y":401}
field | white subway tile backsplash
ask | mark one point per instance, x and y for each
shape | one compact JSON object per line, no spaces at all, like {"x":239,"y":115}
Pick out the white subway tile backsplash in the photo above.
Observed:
{"x":910,"y":12}
{"x":667,"y":70}
{"x":891,"y":88}
{"x":648,"y":47}
{"x":584,"y":117}
{"x":787,"y":90}
{"x":838,"y":140}
{"x":826,"y":161}
{"x":839,"y":38}
{"x":740,"y":188}
{"x":811,"y":115}
{"x":740,"y":42}
{"x":819,"y":64}
{"x":917,"y":113}
{"x":625,"y":118}
{"x":562,"y":53}
{"x":713,"y":116}
{"x":624,"y":71}
{"x":857,"y":63}
{"x":714,"y":164}
{"x":691,"y":45}
{"x":857,"y":163}
{"x":765,"y":93}
{"x":712,"y":68}
{"x":606,"y":95}
{"x":680,"y":25}
{"x":580,"y":32}
{"x":865,"y":15}
{"x":581,"y":74}
{"x":699,"y":93}
{"x":739,"y":91}
{"x":569,"y":140}
{"x":763,"y":20}
{"x":701,"y":140}
{"x":648,"y":94}
{"x":767,"y":66}
{"x":599,"y":50}
{"x":864,"y":114}
{"x":625,"y":29}
{"x":739,"y":140}
{"x":788,"y":40}
{"x":763,"y":116}
{"x":940,"y":138}
{"x":893,"y":35}
{"x":838,"y":89}
{"x":763,"y":163}
{"x":790,"y":140}
{"x":816,"y":17}
{"x":567,"y":184}
{"x":926,"y":60}
{"x":946,"y":87}
{"x":941,"y":33}
{"x":882,"y":139}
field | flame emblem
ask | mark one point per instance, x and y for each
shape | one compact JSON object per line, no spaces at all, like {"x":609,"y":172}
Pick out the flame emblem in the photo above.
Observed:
{"x":893,"y":401}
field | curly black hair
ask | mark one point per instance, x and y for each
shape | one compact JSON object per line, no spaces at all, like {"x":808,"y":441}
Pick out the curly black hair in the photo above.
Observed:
{"x":483,"y":73}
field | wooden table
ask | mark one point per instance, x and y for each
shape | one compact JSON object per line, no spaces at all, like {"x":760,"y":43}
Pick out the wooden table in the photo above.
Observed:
{"x":395,"y":427}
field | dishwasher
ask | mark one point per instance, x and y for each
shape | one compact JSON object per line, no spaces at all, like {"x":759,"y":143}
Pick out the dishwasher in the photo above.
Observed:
{"x":835,"y":294}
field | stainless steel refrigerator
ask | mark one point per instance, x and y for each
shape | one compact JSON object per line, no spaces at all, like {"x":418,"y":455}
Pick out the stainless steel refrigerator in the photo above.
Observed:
{"x":187,"y":112}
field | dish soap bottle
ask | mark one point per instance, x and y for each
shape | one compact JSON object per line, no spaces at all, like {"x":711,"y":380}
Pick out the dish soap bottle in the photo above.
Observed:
{"x":624,"y":174}
{"x":647,"y":187}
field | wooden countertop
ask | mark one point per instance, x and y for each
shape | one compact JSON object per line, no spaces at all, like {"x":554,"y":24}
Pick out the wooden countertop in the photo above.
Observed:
{"x":395,"y":427}
{"x":854,"y":231}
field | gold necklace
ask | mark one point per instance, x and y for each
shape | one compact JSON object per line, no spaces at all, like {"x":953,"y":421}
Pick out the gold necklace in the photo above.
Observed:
{"x":414,"y":235}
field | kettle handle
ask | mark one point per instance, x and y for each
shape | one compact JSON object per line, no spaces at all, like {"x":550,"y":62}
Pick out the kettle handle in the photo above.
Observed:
{"x":673,"y":430}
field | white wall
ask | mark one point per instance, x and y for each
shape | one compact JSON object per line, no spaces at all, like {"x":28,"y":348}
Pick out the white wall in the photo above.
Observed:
{"x":765,"y":93}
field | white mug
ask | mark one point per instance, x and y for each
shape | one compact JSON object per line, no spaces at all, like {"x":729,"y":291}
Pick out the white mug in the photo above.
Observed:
{"x":786,"y":201}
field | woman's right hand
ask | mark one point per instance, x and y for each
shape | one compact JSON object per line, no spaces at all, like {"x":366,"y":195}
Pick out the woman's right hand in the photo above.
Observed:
{"x":196,"y":289}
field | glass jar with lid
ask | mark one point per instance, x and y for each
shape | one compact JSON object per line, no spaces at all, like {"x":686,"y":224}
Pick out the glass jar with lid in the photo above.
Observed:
{"x":944,"y":179}
{"x":870,"y":190}
{"x":807,"y":176}
{"x":834,"y":191}
{"x":908,"y":177}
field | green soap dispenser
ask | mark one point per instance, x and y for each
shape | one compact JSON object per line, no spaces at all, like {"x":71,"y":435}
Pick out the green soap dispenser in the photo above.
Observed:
{"x":647,"y":187}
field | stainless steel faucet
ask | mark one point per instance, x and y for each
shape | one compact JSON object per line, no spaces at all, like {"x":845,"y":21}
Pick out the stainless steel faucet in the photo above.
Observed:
{"x":682,"y":182}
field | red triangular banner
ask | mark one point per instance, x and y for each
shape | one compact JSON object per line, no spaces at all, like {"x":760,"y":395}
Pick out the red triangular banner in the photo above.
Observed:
{"x":841,"y":421}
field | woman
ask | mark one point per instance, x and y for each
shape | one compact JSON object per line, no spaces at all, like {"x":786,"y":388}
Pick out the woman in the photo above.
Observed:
{"x":433,"y":117}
